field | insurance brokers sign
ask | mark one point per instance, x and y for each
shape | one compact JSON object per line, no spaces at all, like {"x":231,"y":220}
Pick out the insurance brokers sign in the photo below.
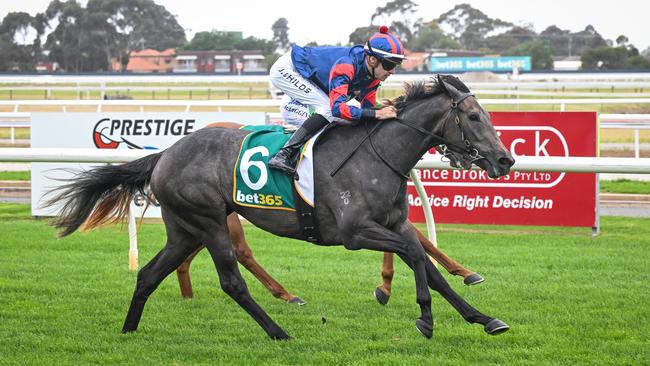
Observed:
{"x":520,"y":198}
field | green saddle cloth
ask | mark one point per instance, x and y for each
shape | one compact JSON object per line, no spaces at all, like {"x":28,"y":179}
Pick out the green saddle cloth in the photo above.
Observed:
{"x":255,"y":184}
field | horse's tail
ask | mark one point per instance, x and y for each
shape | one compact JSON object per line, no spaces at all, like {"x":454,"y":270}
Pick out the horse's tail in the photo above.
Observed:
{"x":100,"y":195}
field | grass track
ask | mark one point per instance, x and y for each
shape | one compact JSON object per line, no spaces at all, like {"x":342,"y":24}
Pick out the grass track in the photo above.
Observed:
{"x":569,"y":298}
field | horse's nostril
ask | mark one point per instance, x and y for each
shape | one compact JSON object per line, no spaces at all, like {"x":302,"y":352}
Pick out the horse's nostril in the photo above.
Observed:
{"x":506,"y":162}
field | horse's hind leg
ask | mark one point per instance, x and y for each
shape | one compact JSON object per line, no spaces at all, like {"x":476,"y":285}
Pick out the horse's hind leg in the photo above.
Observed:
{"x":179,"y":245}
{"x":383,"y":291}
{"x":453,"y":267}
{"x":218,"y":243}
{"x":245,"y":257}
{"x":183,"y":274}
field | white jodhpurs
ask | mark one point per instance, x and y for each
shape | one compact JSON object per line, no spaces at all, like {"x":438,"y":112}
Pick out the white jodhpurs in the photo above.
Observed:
{"x":302,"y":97}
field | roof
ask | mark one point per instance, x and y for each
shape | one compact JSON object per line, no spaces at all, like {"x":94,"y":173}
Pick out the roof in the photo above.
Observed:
{"x":149,"y":60}
{"x":148,"y":52}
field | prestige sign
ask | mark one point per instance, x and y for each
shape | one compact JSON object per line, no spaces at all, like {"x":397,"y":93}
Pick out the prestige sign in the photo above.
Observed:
{"x":154,"y":131}
{"x":520,"y":198}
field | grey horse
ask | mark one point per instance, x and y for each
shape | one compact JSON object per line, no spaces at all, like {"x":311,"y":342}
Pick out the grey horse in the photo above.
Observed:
{"x":361,"y":198}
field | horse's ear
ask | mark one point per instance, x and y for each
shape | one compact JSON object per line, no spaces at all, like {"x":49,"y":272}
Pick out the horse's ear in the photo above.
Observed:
{"x":442,"y":84}
{"x":451,"y":90}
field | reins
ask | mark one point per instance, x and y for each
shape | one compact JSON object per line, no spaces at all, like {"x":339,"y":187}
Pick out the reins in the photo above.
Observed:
{"x":467,"y":151}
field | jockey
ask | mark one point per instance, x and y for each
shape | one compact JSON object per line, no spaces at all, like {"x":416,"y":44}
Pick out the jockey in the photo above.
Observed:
{"x":322,"y":80}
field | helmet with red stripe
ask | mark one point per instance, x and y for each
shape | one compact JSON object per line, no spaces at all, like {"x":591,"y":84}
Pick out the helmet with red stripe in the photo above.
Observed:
{"x":385,"y":46}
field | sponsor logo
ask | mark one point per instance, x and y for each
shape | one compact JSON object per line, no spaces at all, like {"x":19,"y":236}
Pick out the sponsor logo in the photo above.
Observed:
{"x":295,"y":81}
{"x":259,"y":199}
{"x":126,"y":133}
{"x":521,"y":141}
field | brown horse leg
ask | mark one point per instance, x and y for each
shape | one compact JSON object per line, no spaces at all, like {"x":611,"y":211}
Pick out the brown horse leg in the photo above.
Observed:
{"x":245,"y":257}
{"x":450,"y":265}
{"x":383,"y":291}
{"x":183,"y":274}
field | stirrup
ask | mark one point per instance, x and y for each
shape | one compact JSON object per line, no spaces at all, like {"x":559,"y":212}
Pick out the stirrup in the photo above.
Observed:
{"x":282,"y":163}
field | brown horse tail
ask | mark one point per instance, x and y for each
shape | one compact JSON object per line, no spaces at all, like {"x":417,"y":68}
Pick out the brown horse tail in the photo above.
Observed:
{"x":100,"y":195}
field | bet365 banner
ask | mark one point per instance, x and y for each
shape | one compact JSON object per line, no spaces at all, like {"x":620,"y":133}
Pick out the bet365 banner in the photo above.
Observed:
{"x":520,"y":198}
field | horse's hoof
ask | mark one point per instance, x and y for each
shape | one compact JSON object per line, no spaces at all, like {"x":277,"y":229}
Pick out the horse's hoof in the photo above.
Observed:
{"x":473,"y":279}
{"x":296,"y":300}
{"x":496,"y":327}
{"x":424,"y":328}
{"x":381,"y":296}
{"x":280,"y":337}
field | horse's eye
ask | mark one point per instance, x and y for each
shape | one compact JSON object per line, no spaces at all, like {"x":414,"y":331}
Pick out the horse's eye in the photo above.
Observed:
{"x":474,"y":117}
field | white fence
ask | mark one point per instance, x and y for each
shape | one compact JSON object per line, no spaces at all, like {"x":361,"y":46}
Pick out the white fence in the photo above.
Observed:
{"x":558,"y":79}
{"x":591,"y":90}
{"x":524,"y":163}
{"x":275,"y":103}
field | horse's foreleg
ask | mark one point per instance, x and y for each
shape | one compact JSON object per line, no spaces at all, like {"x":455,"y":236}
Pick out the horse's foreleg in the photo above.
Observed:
{"x":437,"y":283}
{"x":245,"y":257}
{"x":453,"y":267}
{"x":183,"y":274}
{"x":370,"y":235}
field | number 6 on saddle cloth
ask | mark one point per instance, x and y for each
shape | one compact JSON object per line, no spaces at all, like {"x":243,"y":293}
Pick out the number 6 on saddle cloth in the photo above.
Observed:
{"x":255,"y":185}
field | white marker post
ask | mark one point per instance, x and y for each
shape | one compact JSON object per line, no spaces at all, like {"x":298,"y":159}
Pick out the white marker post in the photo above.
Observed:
{"x":133,"y":242}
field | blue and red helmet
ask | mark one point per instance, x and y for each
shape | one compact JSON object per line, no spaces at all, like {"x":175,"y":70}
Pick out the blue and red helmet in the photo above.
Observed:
{"x":385,"y":46}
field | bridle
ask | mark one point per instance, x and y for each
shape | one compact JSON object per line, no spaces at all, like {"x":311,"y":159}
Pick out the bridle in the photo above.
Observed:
{"x":467,"y":150}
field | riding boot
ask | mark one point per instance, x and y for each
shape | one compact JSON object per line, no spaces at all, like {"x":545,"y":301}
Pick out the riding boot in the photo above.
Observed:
{"x":284,"y":160}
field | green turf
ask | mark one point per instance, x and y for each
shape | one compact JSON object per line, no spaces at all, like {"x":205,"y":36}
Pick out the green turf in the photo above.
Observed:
{"x":16,"y":175}
{"x":570,"y":299}
{"x":625,"y":186}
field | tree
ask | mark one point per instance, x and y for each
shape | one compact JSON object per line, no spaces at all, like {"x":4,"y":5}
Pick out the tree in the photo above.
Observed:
{"x":558,"y":39}
{"x":361,"y":34}
{"x":40,"y":23}
{"x":611,"y":58}
{"x":280,"y":30}
{"x":17,"y":24}
{"x":540,"y":52}
{"x":430,"y":36}
{"x":470,"y":26}
{"x":510,"y":39}
{"x":14,"y":55}
{"x":64,"y":41}
{"x":87,"y":39}
{"x":222,"y":41}
{"x":585,"y":40}
{"x":646,"y":53}
{"x":622,"y":40}
{"x":398,"y":15}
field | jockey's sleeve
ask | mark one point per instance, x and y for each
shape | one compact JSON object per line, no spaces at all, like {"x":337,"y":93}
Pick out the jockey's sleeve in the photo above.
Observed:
{"x":340,"y":77}
{"x":368,"y":97}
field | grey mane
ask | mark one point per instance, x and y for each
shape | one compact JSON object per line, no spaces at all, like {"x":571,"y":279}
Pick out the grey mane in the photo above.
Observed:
{"x":423,"y":89}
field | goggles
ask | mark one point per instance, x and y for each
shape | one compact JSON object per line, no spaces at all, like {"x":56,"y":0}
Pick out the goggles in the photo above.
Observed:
{"x":389,"y":65}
